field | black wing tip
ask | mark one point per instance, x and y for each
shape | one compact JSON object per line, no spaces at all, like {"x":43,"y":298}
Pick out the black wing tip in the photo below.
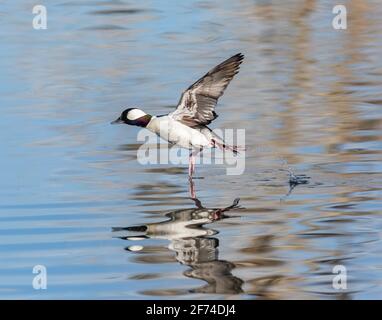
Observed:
{"x":231,"y":63}
{"x":235,"y":60}
{"x":238,"y":56}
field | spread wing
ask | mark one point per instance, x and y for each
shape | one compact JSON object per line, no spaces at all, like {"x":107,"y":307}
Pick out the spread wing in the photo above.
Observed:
{"x":197,"y":103}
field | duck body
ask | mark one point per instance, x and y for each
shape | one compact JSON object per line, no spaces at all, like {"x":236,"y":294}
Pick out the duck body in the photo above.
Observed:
{"x":178,"y":134}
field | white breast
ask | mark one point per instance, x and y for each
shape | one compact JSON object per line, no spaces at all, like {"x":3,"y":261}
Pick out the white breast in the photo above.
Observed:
{"x":177,"y":133}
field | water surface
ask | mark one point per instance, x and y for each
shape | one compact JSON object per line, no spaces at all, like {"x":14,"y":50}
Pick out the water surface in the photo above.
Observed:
{"x":74,"y":198}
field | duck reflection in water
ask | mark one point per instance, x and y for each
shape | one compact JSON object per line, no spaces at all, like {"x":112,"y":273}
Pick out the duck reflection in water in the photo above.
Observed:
{"x":194,"y":245}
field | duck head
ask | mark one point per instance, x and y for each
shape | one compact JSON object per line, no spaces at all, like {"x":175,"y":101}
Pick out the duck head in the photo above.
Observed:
{"x":134,"y":117}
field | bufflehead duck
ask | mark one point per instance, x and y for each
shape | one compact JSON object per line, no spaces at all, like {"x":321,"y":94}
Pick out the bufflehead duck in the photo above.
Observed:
{"x":186,"y":127}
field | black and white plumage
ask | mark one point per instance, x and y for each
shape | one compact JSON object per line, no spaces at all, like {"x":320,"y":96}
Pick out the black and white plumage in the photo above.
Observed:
{"x":197,"y":103}
{"x":186,"y":127}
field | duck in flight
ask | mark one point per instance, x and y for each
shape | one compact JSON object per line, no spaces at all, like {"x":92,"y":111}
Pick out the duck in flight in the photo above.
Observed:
{"x":186,"y":127}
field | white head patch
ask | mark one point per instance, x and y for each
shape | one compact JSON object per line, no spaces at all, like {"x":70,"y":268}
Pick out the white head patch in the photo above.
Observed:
{"x":135,"y":114}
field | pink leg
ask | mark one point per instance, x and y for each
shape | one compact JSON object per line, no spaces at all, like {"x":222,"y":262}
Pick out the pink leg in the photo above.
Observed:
{"x":223,"y":146}
{"x":191,"y":163}
{"x":192,"y":188}
{"x":190,"y":169}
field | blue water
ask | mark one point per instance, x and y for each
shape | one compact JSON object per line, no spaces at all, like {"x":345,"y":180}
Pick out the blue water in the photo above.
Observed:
{"x":71,"y":187}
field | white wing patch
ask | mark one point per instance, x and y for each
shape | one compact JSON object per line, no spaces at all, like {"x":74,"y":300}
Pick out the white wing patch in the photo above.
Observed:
{"x":135,"y":114}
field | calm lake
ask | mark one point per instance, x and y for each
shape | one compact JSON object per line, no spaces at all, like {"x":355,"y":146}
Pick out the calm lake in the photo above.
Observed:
{"x":75,"y":200}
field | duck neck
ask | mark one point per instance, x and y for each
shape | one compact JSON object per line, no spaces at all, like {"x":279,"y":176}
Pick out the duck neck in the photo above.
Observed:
{"x":143,"y":121}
